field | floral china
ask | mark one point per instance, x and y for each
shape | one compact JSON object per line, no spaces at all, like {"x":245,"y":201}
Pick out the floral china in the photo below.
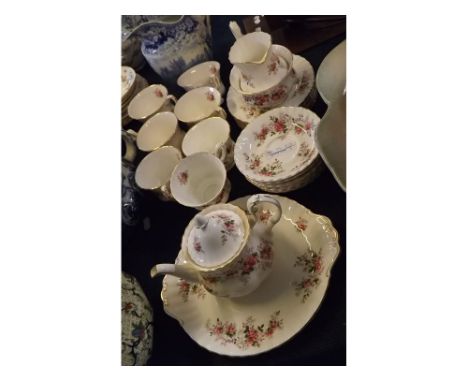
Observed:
{"x":223,"y":252}
{"x":161,"y":129}
{"x":199,"y":180}
{"x":198,"y":104}
{"x":305,"y":247}
{"x":154,"y":171}
{"x":272,"y":95}
{"x":299,"y":94}
{"x":170,"y":44}
{"x":149,"y":101}
{"x":277,"y":145}
{"x":331,"y":74}
{"x":137,"y":323}
{"x":127,"y":79}
{"x":212,"y":135}
{"x":204,"y":74}
{"x":330,"y":139}
{"x":260,"y":65}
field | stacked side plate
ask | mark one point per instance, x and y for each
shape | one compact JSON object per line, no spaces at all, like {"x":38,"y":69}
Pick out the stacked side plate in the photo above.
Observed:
{"x":276,"y":151}
{"x":131,"y":83}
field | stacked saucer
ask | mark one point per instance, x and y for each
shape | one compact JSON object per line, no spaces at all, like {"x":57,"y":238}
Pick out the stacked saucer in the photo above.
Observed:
{"x":276,"y":151}
{"x":265,"y":76}
{"x":131,"y":83}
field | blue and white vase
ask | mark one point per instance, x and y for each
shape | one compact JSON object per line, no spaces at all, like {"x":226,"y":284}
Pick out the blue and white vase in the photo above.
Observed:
{"x":171,"y":44}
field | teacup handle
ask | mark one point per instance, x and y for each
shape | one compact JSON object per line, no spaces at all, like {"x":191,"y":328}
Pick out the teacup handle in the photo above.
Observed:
{"x":267,"y":219}
{"x":170,"y":97}
{"x":221,"y":112}
{"x":214,"y":81}
{"x":165,"y":194}
{"x":221,"y":151}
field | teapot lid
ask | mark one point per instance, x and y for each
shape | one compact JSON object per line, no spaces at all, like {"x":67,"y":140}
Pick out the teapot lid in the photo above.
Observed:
{"x":215,"y":237}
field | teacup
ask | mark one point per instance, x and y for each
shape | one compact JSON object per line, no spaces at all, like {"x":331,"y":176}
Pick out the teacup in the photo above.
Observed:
{"x":149,"y":101}
{"x":161,"y":129}
{"x":204,"y":74}
{"x":212,"y":135}
{"x":274,"y":95}
{"x":198,"y":104}
{"x":199,"y":181}
{"x":260,"y":65}
{"x":154,"y":171}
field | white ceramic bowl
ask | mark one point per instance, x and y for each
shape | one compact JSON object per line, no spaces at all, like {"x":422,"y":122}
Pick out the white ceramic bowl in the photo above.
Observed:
{"x":149,"y":101}
{"x":198,"y":180}
{"x":154,"y":171}
{"x":160,"y":130}
{"x":198,"y":104}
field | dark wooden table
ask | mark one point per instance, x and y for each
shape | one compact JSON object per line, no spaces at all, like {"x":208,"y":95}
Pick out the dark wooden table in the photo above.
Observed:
{"x":323,"y":340}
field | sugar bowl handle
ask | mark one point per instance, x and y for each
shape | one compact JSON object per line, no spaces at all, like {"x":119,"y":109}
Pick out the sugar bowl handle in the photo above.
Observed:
{"x":266,"y":218}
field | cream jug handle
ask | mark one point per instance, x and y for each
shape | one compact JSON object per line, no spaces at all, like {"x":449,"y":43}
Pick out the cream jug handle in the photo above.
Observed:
{"x":265,"y":218}
{"x":235,"y":29}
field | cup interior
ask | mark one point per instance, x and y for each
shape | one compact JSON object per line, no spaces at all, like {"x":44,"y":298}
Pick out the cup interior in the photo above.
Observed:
{"x":206,"y":136}
{"x":198,"y":179}
{"x":156,"y":168}
{"x":198,"y":75}
{"x":197,"y":104}
{"x":147,"y":102}
{"x":251,"y":47}
{"x":157,"y":131}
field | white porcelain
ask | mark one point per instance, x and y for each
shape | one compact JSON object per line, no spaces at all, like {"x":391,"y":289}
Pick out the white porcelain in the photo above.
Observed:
{"x":212,"y":135}
{"x":260,"y":66}
{"x":222,"y":251}
{"x":204,"y":74}
{"x":127,"y":79}
{"x":273,"y":95}
{"x":330,"y":139}
{"x":149,"y":101}
{"x":331,"y":74}
{"x":198,"y":180}
{"x":245,"y":113}
{"x":161,"y":129}
{"x":198,"y":104}
{"x":305,"y":246}
{"x":277,"y":145}
{"x":154,"y":171}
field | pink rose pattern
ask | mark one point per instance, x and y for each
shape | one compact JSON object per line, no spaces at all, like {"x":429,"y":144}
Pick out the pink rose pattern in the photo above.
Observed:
{"x":312,"y":264}
{"x":252,"y":258}
{"x":210,"y":96}
{"x":183,"y":177}
{"x":301,"y":224}
{"x":264,"y":216}
{"x":246,"y":335}
{"x":186,"y":289}
{"x":262,"y":99}
{"x":158,"y":93}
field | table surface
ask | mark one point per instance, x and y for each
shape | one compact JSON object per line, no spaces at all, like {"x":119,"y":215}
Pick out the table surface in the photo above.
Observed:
{"x":323,"y":339}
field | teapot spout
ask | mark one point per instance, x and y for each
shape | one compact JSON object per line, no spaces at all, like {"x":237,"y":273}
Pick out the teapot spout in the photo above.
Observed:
{"x":179,"y":270}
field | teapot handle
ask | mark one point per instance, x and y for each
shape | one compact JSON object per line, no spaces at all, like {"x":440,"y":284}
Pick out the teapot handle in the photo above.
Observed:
{"x":265,"y":217}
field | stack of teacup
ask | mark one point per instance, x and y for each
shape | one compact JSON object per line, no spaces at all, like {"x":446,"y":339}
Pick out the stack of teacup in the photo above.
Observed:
{"x":199,"y":179}
{"x":264,"y":76}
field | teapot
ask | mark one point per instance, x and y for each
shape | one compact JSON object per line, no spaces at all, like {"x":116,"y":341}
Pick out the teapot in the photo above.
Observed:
{"x":227,"y":251}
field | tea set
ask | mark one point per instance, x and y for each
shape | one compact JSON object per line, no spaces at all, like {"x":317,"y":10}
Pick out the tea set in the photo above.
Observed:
{"x":252,"y":272}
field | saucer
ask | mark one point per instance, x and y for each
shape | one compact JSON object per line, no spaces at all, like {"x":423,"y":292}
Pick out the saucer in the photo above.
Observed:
{"x":245,"y":113}
{"x":305,"y":246}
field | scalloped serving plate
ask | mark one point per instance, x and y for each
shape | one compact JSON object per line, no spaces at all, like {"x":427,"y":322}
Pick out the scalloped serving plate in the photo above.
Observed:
{"x":305,"y":247}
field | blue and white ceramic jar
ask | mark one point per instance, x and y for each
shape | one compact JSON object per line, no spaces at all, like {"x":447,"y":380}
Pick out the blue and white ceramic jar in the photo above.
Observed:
{"x":171,"y":44}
